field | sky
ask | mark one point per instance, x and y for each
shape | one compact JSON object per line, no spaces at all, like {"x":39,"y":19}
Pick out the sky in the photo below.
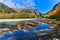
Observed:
{"x":42,"y":5}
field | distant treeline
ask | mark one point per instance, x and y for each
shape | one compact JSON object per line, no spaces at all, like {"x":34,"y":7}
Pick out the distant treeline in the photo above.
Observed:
{"x":4,"y":15}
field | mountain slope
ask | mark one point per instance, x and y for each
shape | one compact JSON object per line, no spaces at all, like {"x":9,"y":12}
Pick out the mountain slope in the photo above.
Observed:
{"x":55,"y":13}
{"x":4,"y":8}
{"x":29,"y":10}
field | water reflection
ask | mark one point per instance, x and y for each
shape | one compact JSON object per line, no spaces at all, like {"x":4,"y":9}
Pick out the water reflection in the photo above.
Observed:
{"x":26,"y":30}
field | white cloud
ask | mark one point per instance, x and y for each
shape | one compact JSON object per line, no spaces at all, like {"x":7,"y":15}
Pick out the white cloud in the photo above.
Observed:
{"x":8,"y":2}
{"x":23,"y":3}
{"x":1,"y":0}
{"x":19,"y":3}
{"x":29,"y":3}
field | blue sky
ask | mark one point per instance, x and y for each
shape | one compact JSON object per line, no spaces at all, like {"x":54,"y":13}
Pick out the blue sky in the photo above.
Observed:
{"x":42,"y":5}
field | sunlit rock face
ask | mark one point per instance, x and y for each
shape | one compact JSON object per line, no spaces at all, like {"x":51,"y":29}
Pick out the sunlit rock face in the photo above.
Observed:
{"x":28,"y":9}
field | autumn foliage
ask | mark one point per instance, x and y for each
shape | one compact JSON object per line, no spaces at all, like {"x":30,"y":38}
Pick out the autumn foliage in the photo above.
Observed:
{"x":17,"y":15}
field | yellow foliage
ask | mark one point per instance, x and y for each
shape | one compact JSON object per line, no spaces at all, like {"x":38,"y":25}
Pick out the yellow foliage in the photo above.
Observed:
{"x":17,"y":15}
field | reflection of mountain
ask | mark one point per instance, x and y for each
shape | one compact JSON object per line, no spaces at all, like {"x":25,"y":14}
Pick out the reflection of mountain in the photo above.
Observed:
{"x":28,"y":9}
{"x":55,"y":13}
{"x":4,"y":8}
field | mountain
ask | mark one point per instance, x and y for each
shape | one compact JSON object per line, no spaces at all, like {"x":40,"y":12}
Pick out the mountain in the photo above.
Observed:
{"x":54,"y":13}
{"x":4,"y":8}
{"x":28,"y":9}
